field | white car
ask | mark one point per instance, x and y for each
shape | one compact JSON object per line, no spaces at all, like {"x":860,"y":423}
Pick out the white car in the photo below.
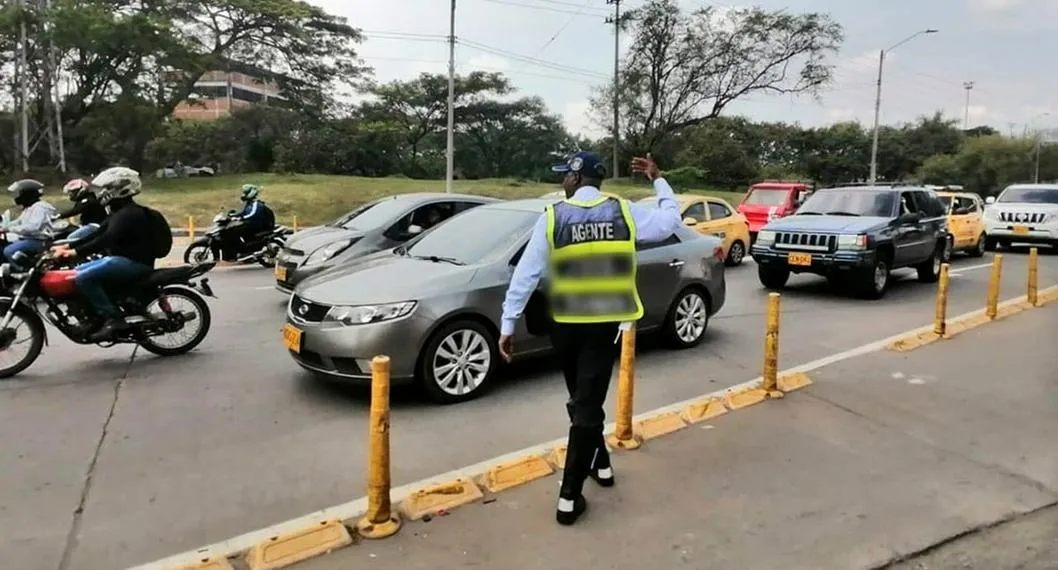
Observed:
{"x":1023,"y":213}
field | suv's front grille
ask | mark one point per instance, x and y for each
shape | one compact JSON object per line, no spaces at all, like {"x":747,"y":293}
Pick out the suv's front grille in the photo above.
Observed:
{"x":1022,"y":217}
{"x":307,"y":310}
{"x":806,"y":241}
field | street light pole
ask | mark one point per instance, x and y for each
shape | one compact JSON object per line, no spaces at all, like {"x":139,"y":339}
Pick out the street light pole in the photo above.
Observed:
{"x":1039,"y":149}
{"x":450,"y":143}
{"x":878,"y":100}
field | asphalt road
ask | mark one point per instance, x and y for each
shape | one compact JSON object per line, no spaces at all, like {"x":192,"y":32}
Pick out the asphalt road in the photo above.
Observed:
{"x":110,"y":461}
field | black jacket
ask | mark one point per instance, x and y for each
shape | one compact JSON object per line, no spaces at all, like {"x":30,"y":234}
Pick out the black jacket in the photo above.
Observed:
{"x":126,"y":232}
{"x":90,"y":210}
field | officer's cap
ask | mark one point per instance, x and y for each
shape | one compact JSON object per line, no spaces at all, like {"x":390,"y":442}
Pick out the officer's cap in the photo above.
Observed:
{"x":586,"y":163}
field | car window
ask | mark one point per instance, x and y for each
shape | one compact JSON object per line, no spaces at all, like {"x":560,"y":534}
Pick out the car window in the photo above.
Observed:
{"x":372,"y":215}
{"x":850,"y":202}
{"x":929,"y":204}
{"x":696,"y":211}
{"x":766,"y":197}
{"x":949,"y":202}
{"x":1029,"y":195}
{"x":648,"y":245}
{"x":718,"y":211}
{"x":969,"y":204}
{"x":477,"y":236}
{"x":426,"y":216}
{"x":908,"y":204}
{"x":464,"y":206}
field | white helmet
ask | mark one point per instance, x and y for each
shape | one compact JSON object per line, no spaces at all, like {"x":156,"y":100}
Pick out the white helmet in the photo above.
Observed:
{"x":117,"y":182}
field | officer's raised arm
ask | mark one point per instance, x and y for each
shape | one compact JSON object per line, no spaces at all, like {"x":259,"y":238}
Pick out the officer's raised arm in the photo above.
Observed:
{"x":655,"y":224}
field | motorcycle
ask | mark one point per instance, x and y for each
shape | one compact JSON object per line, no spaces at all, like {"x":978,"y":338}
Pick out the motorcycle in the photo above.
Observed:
{"x":261,"y":248}
{"x":48,"y":291}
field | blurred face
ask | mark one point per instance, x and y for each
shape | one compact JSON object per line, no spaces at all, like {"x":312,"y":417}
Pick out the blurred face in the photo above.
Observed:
{"x":570,"y":183}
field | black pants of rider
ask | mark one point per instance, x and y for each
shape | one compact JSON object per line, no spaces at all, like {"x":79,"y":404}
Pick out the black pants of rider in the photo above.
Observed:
{"x":232,"y":240}
{"x":587,"y":353}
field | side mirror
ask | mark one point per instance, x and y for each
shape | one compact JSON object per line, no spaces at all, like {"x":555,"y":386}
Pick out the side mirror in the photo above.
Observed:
{"x":912,"y":218}
{"x":414,"y":230}
{"x":990,"y":200}
{"x":690,"y":221}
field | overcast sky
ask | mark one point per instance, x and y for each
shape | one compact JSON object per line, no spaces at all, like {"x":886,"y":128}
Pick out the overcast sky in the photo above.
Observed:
{"x":1008,"y":48}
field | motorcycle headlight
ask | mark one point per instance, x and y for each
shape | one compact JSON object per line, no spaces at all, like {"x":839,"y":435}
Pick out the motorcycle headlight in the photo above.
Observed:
{"x":765,"y":237}
{"x":366,"y":314}
{"x":855,"y":242}
{"x":328,"y":251}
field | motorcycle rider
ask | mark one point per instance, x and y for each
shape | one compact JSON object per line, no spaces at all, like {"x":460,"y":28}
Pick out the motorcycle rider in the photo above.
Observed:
{"x":256,"y":218}
{"x":85,"y":204}
{"x":124,"y":239}
{"x":33,"y":226}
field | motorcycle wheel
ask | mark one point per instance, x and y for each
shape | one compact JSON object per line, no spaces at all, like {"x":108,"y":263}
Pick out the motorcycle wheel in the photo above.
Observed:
{"x":202,"y":320}
{"x":198,"y":252}
{"x":23,"y":317}
{"x":268,"y":258}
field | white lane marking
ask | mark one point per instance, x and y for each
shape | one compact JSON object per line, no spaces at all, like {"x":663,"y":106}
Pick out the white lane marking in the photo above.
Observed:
{"x":958,"y":270}
{"x":356,"y":508}
{"x":266,"y":288}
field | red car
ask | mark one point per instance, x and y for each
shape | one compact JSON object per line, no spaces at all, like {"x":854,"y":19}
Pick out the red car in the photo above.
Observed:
{"x":766,"y":201}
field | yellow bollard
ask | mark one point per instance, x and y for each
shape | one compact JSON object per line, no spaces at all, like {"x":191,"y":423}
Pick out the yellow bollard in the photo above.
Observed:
{"x":191,"y":227}
{"x":624,"y":437}
{"x":1034,"y":277}
{"x":380,"y":520}
{"x":940,"y":318}
{"x":771,"y":345}
{"x":992,"y":308}
{"x":295,"y":222}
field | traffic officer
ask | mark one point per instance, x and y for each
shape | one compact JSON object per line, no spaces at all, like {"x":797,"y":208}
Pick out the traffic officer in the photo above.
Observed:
{"x":586,"y":244}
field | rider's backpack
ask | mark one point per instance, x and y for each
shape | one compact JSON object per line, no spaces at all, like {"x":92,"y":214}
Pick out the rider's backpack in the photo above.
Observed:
{"x":161,"y":233}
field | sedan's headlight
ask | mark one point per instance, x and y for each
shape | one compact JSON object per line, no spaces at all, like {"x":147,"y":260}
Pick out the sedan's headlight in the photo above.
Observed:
{"x":328,"y":251}
{"x":765,"y":237}
{"x":366,"y":314}
{"x":855,"y":242}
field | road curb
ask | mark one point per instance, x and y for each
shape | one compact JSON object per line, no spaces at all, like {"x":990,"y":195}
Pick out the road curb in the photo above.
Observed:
{"x":442,"y":493}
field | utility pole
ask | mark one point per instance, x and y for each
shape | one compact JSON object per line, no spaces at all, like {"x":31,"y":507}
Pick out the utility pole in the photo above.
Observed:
{"x":616,"y":21}
{"x":23,"y":76}
{"x":878,"y":99}
{"x":37,"y":82}
{"x":968,"y":86}
{"x":450,"y":144}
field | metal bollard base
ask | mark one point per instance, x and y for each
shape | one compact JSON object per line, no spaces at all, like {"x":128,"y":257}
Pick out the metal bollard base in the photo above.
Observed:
{"x":634,"y":443}
{"x":373,"y":530}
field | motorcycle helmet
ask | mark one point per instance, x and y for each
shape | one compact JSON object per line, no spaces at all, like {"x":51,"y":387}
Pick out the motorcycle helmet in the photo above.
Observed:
{"x":250,"y":192}
{"x":77,"y":189}
{"x":26,"y":191}
{"x":116,"y":183}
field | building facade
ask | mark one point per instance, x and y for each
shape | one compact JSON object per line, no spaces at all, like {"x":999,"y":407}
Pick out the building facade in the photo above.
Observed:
{"x":218,"y":93}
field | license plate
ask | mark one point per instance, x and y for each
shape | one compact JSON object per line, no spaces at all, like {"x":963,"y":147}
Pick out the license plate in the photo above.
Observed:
{"x":1021,"y":230}
{"x":281,"y":273}
{"x":800,"y":259}
{"x":292,"y":338}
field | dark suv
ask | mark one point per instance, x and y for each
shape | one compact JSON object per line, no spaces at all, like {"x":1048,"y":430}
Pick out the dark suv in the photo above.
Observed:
{"x":855,"y":236}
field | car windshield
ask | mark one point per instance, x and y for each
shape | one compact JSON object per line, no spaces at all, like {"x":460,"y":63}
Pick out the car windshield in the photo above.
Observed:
{"x":475,"y":236}
{"x":850,"y":203}
{"x":1030,"y":195}
{"x":946,"y":201}
{"x":766,"y":197}
{"x":373,"y":215}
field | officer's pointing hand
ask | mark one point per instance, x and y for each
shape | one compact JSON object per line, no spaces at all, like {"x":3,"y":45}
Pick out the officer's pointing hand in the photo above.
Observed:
{"x":645,"y":166}
{"x":506,"y":347}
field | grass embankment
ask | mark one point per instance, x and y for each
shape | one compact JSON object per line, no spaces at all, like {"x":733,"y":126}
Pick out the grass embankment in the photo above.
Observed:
{"x":317,"y":199}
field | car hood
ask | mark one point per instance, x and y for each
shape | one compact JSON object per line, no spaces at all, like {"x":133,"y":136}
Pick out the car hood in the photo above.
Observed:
{"x":384,"y":279}
{"x":314,"y":238}
{"x":829,"y":224}
{"x":1022,"y":207}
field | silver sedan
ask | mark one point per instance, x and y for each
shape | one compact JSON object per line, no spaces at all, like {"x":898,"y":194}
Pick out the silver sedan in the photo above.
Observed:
{"x":434,"y":305}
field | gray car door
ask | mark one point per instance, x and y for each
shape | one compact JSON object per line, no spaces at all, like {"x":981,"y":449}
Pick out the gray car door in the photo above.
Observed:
{"x":658,"y":276}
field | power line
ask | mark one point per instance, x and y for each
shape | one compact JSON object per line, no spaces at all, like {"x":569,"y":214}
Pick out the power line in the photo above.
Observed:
{"x":542,"y":8}
{"x":505,"y":71}
{"x":530,"y":60}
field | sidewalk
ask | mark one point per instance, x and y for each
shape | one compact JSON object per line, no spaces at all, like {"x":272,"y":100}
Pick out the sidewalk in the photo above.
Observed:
{"x":884,"y":456}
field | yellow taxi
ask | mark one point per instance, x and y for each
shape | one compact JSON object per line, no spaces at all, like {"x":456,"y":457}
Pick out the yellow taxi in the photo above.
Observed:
{"x":965,"y":221}
{"x":715,"y":217}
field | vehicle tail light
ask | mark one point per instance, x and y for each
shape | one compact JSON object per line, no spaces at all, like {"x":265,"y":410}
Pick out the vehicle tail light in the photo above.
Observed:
{"x":719,"y":253}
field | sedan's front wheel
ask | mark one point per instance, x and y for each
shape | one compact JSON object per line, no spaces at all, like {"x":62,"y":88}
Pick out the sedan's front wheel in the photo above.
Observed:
{"x":458,"y":361}
{"x":687,"y":319}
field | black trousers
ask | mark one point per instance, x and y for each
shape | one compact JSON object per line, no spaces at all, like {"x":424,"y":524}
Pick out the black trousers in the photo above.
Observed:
{"x":586,"y":353}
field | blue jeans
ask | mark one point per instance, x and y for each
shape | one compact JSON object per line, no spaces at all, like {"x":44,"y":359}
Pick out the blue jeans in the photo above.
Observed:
{"x":30,"y":247}
{"x":93,"y":277}
{"x":82,"y":232}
